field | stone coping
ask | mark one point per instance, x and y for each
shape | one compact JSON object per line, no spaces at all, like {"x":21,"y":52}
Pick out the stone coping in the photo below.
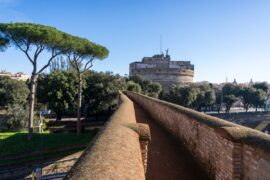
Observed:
{"x":228,"y":130}
{"x":116,"y":153}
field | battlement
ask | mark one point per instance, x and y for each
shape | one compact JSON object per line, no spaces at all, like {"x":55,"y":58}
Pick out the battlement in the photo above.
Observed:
{"x":161,"y":69}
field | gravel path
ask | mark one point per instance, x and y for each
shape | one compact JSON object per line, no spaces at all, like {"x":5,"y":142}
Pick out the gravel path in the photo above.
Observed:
{"x":167,"y":158}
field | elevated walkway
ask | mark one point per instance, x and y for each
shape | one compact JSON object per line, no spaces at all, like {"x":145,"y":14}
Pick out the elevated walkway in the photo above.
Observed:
{"x":167,"y":158}
{"x":179,"y":138}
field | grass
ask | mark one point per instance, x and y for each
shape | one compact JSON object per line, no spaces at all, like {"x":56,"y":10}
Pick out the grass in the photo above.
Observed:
{"x":38,"y":158}
{"x":13,"y":143}
{"x":262,"y":125}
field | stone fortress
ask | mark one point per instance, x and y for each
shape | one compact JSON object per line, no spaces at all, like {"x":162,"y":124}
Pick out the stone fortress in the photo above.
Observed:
{"x":161,"y":69}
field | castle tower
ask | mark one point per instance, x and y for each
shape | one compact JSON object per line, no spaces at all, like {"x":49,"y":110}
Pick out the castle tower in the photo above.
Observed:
{"x":159,"y":68}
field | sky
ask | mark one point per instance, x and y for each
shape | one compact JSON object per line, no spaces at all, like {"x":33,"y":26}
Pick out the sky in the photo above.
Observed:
{"x":222,"y":38}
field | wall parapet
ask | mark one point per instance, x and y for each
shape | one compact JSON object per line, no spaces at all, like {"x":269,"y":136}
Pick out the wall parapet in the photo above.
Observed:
{"x":116,"y":152}
{"x":226,"y":150}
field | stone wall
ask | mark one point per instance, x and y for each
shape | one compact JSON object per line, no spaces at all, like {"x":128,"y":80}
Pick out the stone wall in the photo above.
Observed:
{"x":119,"y":150}
{"x":225,"y":150}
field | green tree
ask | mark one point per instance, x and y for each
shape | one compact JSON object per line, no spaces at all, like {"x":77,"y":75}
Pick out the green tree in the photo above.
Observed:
{"x":154,"y":90}
{"x":16,"y":117}
{"x":228,"y":101}
{"x":148,"y":88}
{"x":231,"y":89}
{"x":230,"y":93}
{"x":59,"y":91}
{"x":13,"y":95}
{"x":205,"y":97}
{"x":246,"y":96}
{"x":33,"y":40}
{"x":13,"y":92}
{"x":134,"y":87}
{"x":209,"y":98}
{"x":219,"y":100}
{"x":81,"y":58}
{"x":42,"y":89}
{"x":263,"y":86}
{"x":258,"y":98}
{"x":183,"y":95}
{"x":198,"y":102}
{"x":101,"y":92}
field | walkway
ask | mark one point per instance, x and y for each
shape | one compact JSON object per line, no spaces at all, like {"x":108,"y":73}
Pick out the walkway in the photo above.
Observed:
{"x":167,"y":158}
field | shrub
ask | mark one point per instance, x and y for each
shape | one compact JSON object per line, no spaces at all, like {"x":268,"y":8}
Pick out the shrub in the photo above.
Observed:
{"x":134,"y":87}
{"x":16,"y":118}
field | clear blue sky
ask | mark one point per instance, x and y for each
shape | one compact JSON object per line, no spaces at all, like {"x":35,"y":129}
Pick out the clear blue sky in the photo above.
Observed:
{"x":220,"y":37}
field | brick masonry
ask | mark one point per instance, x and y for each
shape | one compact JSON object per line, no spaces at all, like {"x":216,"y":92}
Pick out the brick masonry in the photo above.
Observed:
{"x":225,"y":150}
{"x":119,"y":150}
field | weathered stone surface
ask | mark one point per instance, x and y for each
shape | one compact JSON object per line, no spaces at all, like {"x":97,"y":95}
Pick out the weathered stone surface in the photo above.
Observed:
{"x":226,"y":150}
{"x":161,"y":69}
{"x":116,"y":153}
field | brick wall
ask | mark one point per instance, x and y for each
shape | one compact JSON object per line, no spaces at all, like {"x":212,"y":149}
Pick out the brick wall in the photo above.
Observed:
{"x":119,"y":150}
{"x":226,"y":150}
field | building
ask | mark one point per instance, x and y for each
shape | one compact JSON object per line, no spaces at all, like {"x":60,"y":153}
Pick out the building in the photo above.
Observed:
{"x":18,"y":76}
{"x":160,"y":68}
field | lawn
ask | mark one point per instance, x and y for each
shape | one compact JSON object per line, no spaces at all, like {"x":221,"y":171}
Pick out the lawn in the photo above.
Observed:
{"x":13,"y":143}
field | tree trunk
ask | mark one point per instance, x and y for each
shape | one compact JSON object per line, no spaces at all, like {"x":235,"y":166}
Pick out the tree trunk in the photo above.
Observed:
{"x":31,"y":105}
{"x":79,"y":104}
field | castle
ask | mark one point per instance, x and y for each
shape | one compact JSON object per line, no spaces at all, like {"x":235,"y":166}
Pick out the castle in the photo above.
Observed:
{"x":161,"y":69}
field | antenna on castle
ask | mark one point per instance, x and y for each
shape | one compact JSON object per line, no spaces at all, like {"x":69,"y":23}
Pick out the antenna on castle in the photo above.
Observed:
{"x":160,"y":45}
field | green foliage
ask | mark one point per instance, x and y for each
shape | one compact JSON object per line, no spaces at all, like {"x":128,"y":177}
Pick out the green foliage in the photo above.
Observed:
{"x":230,"y":94}
{"x":29,"y":37}
{"x":134,"y":87}
{"x":184,"y":96}
{"x":148,"y":88}
{"x":205,"y":97}
{"x":27,"y":34}
{"x":16,"y":118}
{"x":58,"y":89}
{"x":101,"y":91}
{"x":246,"y":96}
{"x":13,"y":92}
{"x":229,"y":100}
{"x":210,"y":97}
{"x":219,"y":100}
{"x":42,"y":89}
{"x":192,"y":96}
{"x":14,"y":95}
{"x":258,"y":98}
{"x":263,"y":86}
{"x":231,"y":89}
{"x":154,"y":89}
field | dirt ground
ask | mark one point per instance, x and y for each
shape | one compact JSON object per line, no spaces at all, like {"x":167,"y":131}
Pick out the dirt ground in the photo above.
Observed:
{"x":167,"y":158}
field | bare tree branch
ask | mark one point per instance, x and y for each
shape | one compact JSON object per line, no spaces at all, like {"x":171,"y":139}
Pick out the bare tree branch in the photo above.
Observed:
{"x":39,"y":49}
{"x":90,"y":61}
{"x":23,"y":50}
{"x":54,"y":54}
